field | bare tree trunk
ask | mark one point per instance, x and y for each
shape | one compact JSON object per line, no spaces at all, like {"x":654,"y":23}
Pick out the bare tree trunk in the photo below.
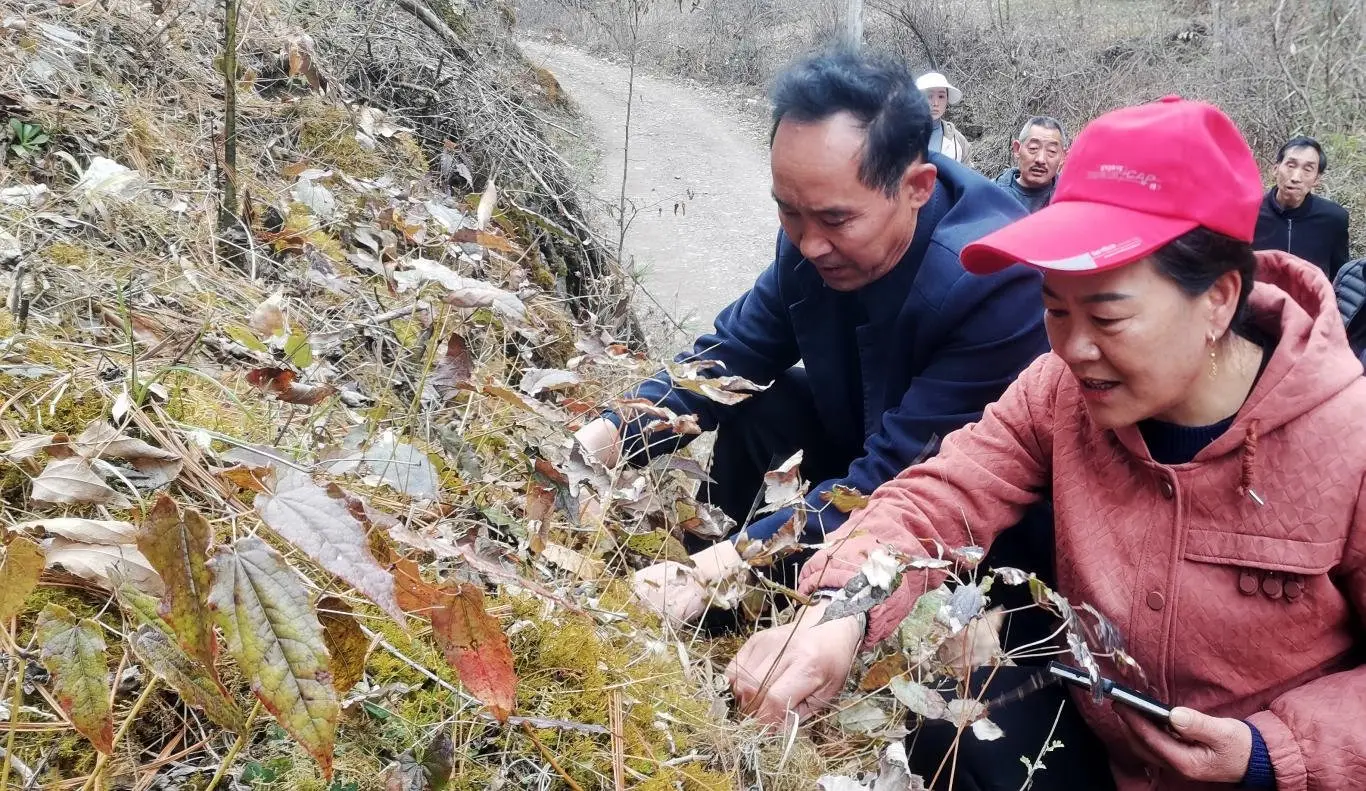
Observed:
{"x":853,"y":25}
{"x":227,"y":207}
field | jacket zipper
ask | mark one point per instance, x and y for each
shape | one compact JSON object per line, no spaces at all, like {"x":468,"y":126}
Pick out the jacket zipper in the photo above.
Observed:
{"x":1289,"y":235}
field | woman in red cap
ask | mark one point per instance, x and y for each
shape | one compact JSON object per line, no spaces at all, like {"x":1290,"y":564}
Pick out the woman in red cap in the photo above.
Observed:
{"x":1200,"y":437}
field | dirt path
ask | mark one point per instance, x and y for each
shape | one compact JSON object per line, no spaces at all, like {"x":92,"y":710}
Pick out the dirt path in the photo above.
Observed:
{"x":698,"y":176}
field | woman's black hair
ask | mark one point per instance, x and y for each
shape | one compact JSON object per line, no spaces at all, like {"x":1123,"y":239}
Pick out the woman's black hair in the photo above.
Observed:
{"x":1196,"y":259}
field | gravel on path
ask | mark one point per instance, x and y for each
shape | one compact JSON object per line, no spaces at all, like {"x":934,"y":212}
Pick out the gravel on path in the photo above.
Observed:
{"x":698,"y":177}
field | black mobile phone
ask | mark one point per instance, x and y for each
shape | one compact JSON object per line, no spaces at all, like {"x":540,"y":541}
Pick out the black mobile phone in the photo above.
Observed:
{"x":1152,"y":708}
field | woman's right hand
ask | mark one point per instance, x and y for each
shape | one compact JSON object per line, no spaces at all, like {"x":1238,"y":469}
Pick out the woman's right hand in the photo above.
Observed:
{"x":798,"y":667}
{"x":682,"y":593}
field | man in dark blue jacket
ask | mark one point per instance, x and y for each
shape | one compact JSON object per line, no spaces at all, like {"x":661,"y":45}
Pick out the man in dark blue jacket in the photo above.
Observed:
{"x":897,"y":343}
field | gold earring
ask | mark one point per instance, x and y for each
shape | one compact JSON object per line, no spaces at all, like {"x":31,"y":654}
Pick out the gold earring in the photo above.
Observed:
{"x":1213,"y":364}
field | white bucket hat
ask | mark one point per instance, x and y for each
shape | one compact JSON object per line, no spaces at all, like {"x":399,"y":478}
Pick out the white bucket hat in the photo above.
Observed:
{"x":934,"y":79}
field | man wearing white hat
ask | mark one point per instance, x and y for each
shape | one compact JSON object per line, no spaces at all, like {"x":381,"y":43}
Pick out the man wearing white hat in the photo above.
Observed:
{"x":945,"y":139}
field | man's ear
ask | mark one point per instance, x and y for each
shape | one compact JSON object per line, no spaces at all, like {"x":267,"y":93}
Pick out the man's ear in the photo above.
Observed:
{"x":1015,"y":149}
{"x":917,"y":183}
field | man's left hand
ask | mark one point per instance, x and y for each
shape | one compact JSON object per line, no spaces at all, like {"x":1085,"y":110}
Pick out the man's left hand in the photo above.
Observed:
{"x":1204,"y":748}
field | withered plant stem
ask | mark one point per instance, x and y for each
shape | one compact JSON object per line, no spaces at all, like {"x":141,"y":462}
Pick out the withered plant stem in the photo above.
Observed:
{"x":531,"y":734}
{"x":236,"y":748}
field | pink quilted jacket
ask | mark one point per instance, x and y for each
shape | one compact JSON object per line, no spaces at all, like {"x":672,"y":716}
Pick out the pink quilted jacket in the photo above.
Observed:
{"x":1232,"y":608}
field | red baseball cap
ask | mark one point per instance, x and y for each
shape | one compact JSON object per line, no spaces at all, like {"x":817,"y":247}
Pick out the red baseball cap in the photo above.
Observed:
{"x":1134,"y":179}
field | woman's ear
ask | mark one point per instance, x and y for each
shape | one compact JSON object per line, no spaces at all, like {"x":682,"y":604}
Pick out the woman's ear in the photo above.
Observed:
{"x":1223,"y":299}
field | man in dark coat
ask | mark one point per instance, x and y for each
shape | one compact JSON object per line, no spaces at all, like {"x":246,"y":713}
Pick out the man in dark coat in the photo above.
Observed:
{"x":1038,"y":151}
{"x":897,"y":343}
{"x":1297,"y":221}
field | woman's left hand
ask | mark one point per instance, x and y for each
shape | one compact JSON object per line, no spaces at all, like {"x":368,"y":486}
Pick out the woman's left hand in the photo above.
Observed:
{"x":1207,"y":749}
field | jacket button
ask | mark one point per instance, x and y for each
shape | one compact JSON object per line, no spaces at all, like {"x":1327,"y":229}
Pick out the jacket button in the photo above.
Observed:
{"x":1272,"y":586}
{"x":1167,"y":490}
{"x":1247,"y":583}
{"x":1293,"y":589}
{"x":1156,"y":600}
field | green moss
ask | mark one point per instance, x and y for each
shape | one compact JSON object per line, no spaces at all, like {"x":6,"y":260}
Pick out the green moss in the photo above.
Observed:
{"x":657,"y":545}
{"x":540,"y":274}
{"x":79,"y":605}
{"x":407,"y":147}
{"x":197,"y":401}
{"x":13,"y":481}
{"x":68,"y":255}
{"x":71,"y":413}
{"x":327,"y":135}
{"x":559,"y":345}
{"x":385,"y":668}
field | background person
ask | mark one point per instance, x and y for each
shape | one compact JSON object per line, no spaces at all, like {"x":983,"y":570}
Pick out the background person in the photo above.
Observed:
{"x":944,"y":137}
{"x":897,"y":343}
{"x":1039,"y":151}
{"x":1293,"y":218}
{"x":1201,"y":441}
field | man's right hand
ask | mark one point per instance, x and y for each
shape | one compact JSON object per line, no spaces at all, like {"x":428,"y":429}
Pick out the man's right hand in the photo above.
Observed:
{"x":601,"y":439}
{"x":682,"y":593}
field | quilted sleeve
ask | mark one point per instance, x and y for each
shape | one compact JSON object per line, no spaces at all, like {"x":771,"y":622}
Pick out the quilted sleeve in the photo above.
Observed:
{"x":1314,"y":732}
{"x":754,"y":338}
{"x":984,"y":477}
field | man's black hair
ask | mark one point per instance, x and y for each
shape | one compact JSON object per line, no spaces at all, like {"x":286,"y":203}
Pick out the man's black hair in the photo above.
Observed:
{"x":1301,"y":141}
{"x":876,"y":90}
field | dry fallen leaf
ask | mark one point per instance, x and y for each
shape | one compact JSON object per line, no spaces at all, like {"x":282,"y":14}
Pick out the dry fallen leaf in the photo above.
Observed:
{"x":727,"y":390}
{"x":280,"y":382}
{"x":454,"y":368}
{"x":476,"y":648}
{"x":74,"y":652}
{"x":540,"y":503}
{"x":249,"y":478}
{"x":268,"y":319}
{"x":101,"y":440}
{"x":463,"y":292}
{"x":579,"y":566}
{"x":487,"y":203}
{"x":272,"y":631}
{"x":73,"y":482}
{"x":93,"y":531}
{"x":784,"y":486}
{"x":318,"y":522}
{"x":19,"y":572}
{"x":845,"y":498}
{"x":781,"y":544}
{"x":99,"y":563}
{"x":346,"y":643}
{"x":28,"y":447}
{"x":538,"y":380}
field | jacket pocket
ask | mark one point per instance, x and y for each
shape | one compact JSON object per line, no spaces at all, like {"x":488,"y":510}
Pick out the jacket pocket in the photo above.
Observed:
{"x":1286,"y":555}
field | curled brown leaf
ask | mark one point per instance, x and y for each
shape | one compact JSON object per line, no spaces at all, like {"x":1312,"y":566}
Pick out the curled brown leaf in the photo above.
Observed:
{"x":281,"y":383}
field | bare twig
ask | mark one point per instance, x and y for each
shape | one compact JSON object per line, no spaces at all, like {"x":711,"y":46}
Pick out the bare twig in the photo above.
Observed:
{"x":236,"y":748}
{"x":546,"y":754}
